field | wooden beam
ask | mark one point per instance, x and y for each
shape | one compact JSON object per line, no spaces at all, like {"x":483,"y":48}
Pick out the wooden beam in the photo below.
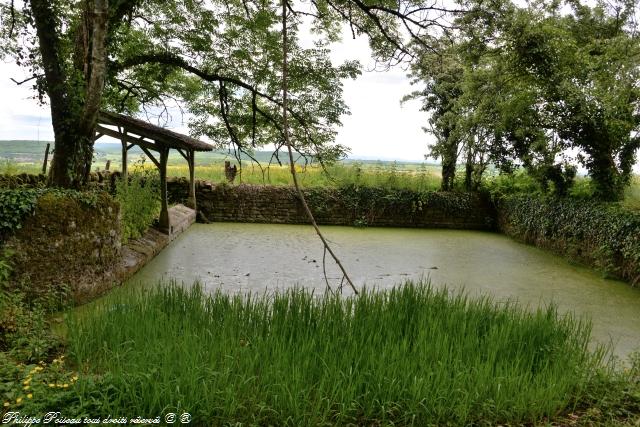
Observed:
{"x":165,"y":222}
{"x":97,"y":137}
{"x":128,"y":138}
{"x":191,"y":160}
{"x":152,"y":158}
{"x":125,"y":150}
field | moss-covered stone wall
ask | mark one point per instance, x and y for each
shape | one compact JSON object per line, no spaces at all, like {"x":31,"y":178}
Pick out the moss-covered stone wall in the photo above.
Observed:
{"x":604,"y":236}
{"x":68,"y":243}
{"x":337,"y":206}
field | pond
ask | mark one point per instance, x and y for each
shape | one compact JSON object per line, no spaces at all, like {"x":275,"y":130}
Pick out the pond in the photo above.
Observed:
{"x":257,"y":257}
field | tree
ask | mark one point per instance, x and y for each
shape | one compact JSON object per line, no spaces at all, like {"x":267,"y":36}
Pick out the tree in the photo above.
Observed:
{"x":585,"y":67}
{"x":71,"y":73}
{"x":219,"y":56}
{"x":442,"y":73}
{"x":537,"y":82}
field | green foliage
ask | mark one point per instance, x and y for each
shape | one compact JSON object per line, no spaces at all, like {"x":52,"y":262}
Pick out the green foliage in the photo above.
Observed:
{"x":520,"y":182}
{"x":28,"y":382}
{"x":18,"y":203}
{"x":24,"y":333}
{"x":40,"y":387}
{"x":412,"y":355}
{"x":139,"y":200}
{"x":24,"y":330}
{"x":521,"y":86}
{"x":15,"y":205}
{"x":6,"y":267}
{"x":605,"y":235}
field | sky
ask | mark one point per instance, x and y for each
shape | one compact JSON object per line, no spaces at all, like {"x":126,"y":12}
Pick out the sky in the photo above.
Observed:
{"x":378,"y":126}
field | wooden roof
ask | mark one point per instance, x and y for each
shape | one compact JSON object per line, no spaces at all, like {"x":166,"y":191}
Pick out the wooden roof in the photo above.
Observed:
{"x":160,"y":135}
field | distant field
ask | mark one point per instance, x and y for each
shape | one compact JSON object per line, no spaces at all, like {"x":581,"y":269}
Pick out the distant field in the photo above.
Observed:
{"x":27,"y":156}
{"x":387,"y":175}
{"x":24,"y":153}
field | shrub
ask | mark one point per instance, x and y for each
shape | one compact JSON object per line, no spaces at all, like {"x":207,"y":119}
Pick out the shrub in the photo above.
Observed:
{"x":139,"y":199}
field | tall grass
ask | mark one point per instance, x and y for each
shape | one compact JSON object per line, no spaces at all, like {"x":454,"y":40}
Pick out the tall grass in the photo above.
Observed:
{"x":410,"y":356}
{"x":418,"y":178}
{"x":139,"y":198}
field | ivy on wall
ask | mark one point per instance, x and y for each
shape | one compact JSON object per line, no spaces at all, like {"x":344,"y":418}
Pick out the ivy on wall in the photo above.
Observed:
{"x":16,"y":204}
{"x":367,"y":203}
{"x":602,"y":234}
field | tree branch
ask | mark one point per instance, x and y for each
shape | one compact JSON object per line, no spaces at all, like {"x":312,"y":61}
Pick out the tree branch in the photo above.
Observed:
{"x":13,"y":19}
{"x":292,"y":165}
{"x":171,"y":59}
{"x":35,"y":76}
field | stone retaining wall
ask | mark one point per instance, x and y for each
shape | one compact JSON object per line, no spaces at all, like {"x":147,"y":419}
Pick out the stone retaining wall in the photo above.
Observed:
{"x":344,"y":206}
{"x":67,"y":244}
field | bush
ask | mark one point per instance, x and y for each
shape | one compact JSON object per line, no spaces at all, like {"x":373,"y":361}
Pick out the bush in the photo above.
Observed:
{"x":139,"y":202}
{"x":34,"y":379}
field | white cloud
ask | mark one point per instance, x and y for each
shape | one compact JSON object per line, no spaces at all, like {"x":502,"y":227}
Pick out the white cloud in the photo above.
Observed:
{"x":378,"y":125}
{"x":20,"y":115}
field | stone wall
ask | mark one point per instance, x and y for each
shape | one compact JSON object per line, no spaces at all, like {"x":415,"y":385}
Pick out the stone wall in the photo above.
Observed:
{"x":343,"y":206}
{"x":67,"y":243}
{"x":598,"y":235}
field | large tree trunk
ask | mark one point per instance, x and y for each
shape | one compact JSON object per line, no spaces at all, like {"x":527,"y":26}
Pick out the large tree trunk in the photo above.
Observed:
{"x":449,"y":160}
{"x":468,"y":170}
{"x":608,"y":183}
{"x":74,"y":106}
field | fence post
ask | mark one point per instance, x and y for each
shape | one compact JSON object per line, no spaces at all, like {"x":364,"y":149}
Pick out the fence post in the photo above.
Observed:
{"x":46,"y":159}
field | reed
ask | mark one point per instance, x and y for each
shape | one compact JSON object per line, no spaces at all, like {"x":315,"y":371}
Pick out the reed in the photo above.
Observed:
{"x":413,"y":355}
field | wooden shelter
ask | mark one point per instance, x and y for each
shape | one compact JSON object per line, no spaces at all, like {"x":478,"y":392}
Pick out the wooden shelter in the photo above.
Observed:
{"x":150,"y":138}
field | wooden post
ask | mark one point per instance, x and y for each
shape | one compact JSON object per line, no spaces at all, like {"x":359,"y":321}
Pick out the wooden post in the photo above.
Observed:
{"x":108,"y":165}
{"x":165,"y":223}
{"x":192,"y":180}
{"x":46,"y":159}
{"x":124,"y":155}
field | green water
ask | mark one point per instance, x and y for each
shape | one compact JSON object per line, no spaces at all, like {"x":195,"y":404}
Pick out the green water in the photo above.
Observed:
{"x":258,"y":257}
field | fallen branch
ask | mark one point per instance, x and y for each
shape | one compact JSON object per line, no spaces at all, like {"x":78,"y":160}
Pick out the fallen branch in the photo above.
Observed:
{"x":285,"y":127}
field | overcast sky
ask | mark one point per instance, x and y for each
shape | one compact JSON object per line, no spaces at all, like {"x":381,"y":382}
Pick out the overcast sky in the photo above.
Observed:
{"x":378,"y":126}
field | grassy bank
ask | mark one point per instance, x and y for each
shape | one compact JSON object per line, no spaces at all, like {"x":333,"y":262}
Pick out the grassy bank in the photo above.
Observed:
{"x":411,"y":356}
{"x":388,"y":175}
{"x":399,"y":176}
